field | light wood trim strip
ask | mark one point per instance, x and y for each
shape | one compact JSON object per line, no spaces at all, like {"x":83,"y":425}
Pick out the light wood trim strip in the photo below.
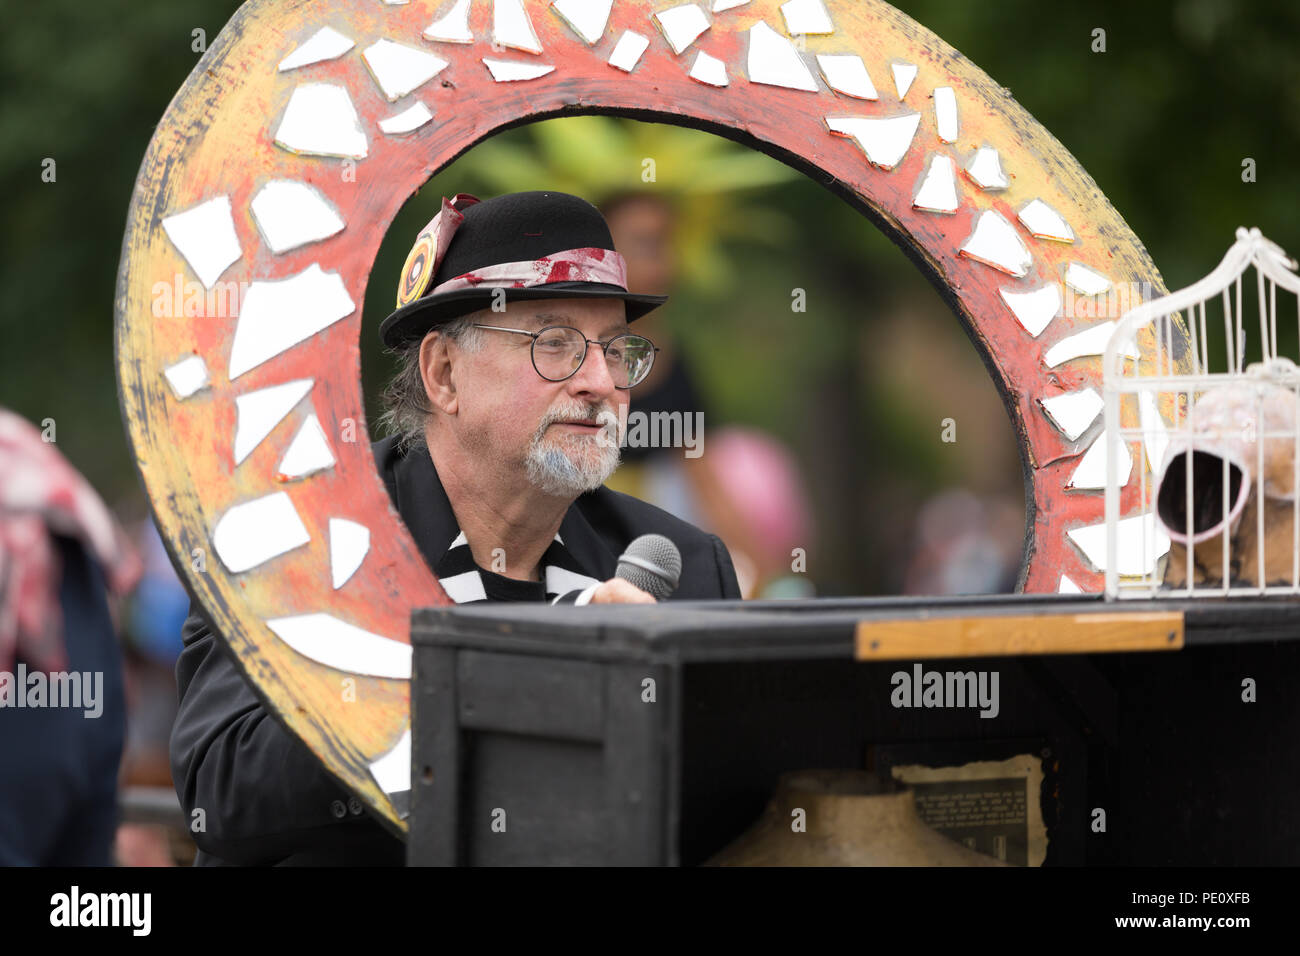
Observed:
{"x":1013,"y":635}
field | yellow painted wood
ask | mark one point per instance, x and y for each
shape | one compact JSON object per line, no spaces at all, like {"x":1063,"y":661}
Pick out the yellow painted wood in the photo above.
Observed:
{"x":1019,"y":634}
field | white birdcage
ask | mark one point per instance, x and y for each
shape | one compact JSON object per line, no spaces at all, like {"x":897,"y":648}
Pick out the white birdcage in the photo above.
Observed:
{"x":1211,"y":508}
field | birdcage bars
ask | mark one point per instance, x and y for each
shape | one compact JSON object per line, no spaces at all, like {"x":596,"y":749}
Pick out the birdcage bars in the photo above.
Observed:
{"x":1152,"y":438}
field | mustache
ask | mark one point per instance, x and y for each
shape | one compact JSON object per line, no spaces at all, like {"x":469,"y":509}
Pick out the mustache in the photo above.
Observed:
{"x":599,"y":412}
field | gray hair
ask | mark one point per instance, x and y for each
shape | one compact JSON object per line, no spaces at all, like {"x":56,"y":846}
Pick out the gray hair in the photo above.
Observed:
{"x":406,"y":404}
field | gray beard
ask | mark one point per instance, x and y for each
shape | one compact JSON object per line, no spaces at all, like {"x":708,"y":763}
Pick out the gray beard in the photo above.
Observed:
{"x":552,"y":471}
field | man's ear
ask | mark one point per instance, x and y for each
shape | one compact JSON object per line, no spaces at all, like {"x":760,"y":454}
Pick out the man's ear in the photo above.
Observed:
{"x":436,"y":371}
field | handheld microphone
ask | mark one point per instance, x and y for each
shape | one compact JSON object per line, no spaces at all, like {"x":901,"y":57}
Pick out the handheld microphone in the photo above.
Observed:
{"x":651,"y":563}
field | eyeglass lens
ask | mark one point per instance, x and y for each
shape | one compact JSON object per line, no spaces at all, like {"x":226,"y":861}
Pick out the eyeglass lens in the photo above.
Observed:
{"x":559,"y":352}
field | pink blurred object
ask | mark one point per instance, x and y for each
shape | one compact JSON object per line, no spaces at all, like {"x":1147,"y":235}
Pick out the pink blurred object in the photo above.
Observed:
{"x":1226,"y":428}
{"x":140,"y":845}
{"x":760,"y":477}
{"x":42,"y":494}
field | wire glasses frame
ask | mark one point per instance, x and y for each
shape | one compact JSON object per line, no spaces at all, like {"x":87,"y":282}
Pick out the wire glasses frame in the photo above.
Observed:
{"x":554,"y":350}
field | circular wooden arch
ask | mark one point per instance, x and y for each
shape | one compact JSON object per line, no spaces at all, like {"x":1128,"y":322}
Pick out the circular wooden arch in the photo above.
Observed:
{"x":276,"y":170}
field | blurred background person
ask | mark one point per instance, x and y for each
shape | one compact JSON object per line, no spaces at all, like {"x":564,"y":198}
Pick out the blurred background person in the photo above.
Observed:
{"x":62,"y":557}
{"x":740,"y":484}
{"x":643,"y":226}
{"x":153,"y":831}
{"x":965,"y":544}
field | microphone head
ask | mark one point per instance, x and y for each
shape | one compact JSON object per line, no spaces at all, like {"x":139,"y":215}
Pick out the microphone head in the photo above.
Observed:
{"x":653,"y":564}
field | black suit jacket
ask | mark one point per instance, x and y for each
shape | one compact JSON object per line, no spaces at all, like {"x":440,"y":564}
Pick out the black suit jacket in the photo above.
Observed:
{"x":265,"y":798}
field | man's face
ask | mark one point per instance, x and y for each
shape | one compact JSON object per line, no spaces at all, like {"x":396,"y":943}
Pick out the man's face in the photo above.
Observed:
{"x":643,"y":234}
{"x":562,"y":437}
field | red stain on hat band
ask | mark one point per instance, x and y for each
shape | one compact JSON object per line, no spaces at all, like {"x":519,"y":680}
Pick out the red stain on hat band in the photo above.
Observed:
{"x":587,"y":264}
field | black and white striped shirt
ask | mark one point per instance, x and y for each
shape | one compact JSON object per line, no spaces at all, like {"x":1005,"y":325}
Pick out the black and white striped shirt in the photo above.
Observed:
{"x":564,"y":580}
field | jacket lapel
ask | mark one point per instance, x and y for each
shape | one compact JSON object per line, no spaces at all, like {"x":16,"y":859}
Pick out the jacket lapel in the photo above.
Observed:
{"x":585,"y":545}
{"x":418,"y":495}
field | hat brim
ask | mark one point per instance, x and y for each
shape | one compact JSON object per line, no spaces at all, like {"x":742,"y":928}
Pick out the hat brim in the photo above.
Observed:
{"x":411,"y":322}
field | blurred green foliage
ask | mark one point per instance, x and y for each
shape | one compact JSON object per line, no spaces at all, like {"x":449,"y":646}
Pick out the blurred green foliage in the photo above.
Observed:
{"x":84,"y":84}
{"x":1162,"y":120}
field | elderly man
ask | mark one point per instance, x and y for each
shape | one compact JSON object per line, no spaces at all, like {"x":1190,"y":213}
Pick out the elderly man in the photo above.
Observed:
{"x":515,"y":361}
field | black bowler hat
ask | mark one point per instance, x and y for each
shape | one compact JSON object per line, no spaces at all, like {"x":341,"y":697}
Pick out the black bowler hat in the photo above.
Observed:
{"x":532,"y":245}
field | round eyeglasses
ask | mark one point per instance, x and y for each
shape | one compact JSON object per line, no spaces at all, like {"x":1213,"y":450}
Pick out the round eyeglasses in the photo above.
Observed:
{"x":560,"y":350}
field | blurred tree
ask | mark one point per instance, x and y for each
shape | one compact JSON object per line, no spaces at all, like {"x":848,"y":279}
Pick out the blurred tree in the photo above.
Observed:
{"x":84,"y":84}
